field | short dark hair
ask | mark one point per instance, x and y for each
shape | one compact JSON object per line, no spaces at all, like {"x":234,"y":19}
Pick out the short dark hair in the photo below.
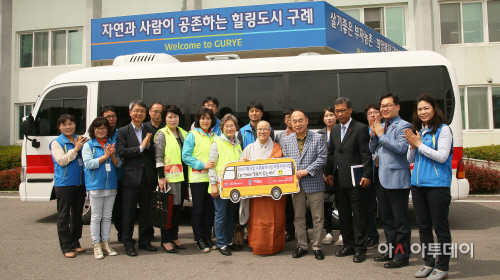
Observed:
{"x":202,"y":112}
{"x":327,"y":109}
{"x":137,"y":102}
{"x":394,"y":97}
{"x":98,"y":122}
{"x":287,"y":112}
{"x":372,"y":106}
{"x":63,"y":118}
{"x":104,"y":109}
{"x":170,"y":108}
{"x":298,"y":110}
{"x":256,"y":105}
{"x":224,"y":111}
{"x":342,"y":100}
{"x":152,"y":104}
{"x":213,"y":99}
{"x":438,"y":119}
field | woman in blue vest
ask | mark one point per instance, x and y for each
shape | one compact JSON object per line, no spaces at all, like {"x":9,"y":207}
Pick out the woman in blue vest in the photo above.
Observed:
{"x":69,"y":185}
{"x":100,"y":160}
{"x":431,"y":148}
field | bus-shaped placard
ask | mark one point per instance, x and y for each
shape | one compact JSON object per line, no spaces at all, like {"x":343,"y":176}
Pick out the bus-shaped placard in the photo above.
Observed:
{"x":256,"y":178}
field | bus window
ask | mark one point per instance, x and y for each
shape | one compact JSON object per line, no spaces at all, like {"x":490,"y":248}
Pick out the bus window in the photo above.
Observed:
{"x":119,"y":95}
{"x":312,"y":93}
{"x":64,"y":100}
{"x":269,"y":91}
{"x":224,"y":89}
{"x":229,"y":173}
{"x":362,"y":88}
{"x":166,"y":92}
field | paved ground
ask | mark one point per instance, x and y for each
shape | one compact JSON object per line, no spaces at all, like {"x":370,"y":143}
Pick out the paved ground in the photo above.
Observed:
{"x":30,"y":250}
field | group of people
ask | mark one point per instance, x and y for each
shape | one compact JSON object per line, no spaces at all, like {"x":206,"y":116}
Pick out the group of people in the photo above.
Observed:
{"x":119,"y":168}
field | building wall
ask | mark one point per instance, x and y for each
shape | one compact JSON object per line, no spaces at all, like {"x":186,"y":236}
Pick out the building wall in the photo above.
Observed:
{"x":5,"y":69}
{"x":116,"y":8}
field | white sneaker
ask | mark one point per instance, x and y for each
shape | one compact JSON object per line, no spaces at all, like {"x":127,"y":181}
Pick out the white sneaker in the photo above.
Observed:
{"x":107,"y":249}
{"x":98,"y":251}
{"x":339,"y":242}
{"x":328,"y":239}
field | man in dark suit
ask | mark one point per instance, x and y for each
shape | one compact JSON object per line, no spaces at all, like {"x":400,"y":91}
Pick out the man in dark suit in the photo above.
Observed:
{"x":134,"y":145}
{"x":348,"y":147}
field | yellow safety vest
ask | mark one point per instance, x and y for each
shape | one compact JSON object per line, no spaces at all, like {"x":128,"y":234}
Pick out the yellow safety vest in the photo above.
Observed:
{"x":227,"y":153}
{"x":172,"y":159}
{"x":200,"y":152}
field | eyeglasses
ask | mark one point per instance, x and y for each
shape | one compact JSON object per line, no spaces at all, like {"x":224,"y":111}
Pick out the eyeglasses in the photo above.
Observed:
{"x":387,"y":106}
{"x":229,"y":126}
{"x":101,"y":129}
{"x":373,"y":113}
{"x":139,"y":111}
{"x":263,"y":129}
{"x":210,"y":106}
{"x":155,"y":111}
{"x":110,"y":117}
{"x":341,"y":111}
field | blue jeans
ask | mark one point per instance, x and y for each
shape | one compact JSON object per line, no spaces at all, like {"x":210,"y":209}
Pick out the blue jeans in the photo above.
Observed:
{"x":100,"y":219}
{"x":224,"y":221}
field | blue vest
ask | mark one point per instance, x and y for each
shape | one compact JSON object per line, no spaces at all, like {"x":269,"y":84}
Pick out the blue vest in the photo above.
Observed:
{"x":99,"y":178}
{"x":71,"y":174}
{"x":430,"y":173}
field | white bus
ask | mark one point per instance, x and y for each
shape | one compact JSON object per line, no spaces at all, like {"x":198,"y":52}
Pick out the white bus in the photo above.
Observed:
{"x":310,"y":83}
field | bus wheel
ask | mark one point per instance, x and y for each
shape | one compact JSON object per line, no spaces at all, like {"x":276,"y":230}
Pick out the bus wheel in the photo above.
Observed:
{"x":276,"y":193}
{"x":235,"y":196}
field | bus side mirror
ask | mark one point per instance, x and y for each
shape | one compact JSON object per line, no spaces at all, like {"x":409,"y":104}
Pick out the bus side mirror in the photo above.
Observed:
{"x":27,"y":128}
{"x":28,"y":125}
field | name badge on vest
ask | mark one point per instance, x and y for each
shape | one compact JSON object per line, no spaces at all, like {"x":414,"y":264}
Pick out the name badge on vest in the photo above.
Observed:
{"x":80,"y":161}
{"x":108,"y":167}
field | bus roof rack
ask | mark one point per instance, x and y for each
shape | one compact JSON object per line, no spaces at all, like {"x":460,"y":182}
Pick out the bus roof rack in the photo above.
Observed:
{"x":222,"y":57}
{"x":145,"y":58}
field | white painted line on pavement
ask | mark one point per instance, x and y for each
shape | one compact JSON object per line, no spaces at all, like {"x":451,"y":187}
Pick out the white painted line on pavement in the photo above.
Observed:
{"x":9,"y":197}
{"x":476,"y":201}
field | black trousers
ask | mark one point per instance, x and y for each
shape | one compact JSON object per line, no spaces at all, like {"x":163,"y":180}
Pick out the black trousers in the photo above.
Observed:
{"x":70,"y":201}
{"x":202,"y":214}
{"x":289,"y":216}
{"x":393,"y":209}
{"x":432,"y":206}
{"x":351,"y":203}
{"x":118,"y":210}
{"x":173,"y":233}
{"x":131,"y":196}
{"x":371,"y":212}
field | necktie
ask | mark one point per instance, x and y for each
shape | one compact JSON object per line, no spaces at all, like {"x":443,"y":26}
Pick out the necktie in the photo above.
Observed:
{"x":343,"y":134}
{"x":386,"y":126}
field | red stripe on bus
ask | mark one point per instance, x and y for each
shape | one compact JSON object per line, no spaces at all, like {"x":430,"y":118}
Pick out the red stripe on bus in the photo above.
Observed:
{"x":458,"y":154}
{"x":39,"y":164}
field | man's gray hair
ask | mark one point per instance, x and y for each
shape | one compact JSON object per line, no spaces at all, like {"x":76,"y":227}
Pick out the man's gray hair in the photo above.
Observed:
{"x":137,"y":102}
{"x":343,"y":100}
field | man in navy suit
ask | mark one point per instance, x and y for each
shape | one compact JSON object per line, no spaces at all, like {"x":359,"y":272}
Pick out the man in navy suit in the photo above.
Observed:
{"x":139,"y":177}
{"x":349,"y":146}
{"x":308,"y":150}
{"x":388,"y":144}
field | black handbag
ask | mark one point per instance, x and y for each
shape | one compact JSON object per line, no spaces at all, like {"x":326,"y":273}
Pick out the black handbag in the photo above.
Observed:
{"x":158,"y":209}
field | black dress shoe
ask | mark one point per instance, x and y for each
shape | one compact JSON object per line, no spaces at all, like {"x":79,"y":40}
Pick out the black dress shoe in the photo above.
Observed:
{"x":397,"y":263}
{"x":234,"y":247}
{"x":383,"y":258}
{"x":318,"y":254}
{"x":345,"y":252}
{"x":181,"y":247}
{"x":225,"y":251}
{"x":209,"y":243}
{"x":299,"y":253}
{"x":289,"y":237}
{"x":148,"y":247}
{"x":359,"y":257}
{"x":172,"y":251}
{"x":131,"y":252}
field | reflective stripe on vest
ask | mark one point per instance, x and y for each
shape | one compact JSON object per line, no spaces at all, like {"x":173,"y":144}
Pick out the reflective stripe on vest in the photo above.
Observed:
{"x":200,"y":152}
{"x":172,"y":157}
{"x":227,"y":153}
